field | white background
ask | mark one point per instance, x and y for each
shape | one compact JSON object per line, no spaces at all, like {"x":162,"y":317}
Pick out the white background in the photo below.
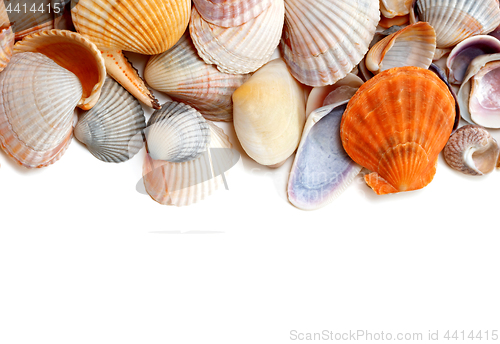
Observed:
{"x":85,"y":258}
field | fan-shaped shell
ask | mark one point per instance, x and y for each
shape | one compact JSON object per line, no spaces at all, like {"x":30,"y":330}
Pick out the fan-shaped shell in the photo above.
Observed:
{"x":188,"y":182}
{"x":146,"y":27}
{"x":37,"y":101}
{"x":413,"y":45}
{"x":184,"y":76}
{"x":112,"y":129}
{"x":73,"y":52}
{"x":322,"y":170}
{"x":396,"y":125}
{"x":269,"y":114}
{"x":6,"y":45}
{"x":242,"y":49}
{"x":393,"y":8}
{"x":456,"y":20}
{"x":230,"y":13}
{"x":324,"y":40}
{"x":177,"y":133}
{"x":472,"y":150}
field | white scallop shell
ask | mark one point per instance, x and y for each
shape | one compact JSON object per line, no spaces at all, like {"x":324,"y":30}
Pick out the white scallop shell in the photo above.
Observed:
{"x":456,"y":20}
{"x":241,"y":49}
{"x":112,"y":129}
{"x":230,"y":13}
{"x":393,"y":8}
{"x":37,"y":102}
{"x":188,"y":182}
{"x":184,"y":76}
{"x":324,"y":40}
{"x":6,"y":45}
{"x":176,"y":133}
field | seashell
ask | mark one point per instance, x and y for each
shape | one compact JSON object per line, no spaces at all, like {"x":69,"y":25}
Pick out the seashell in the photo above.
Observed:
{"x":478,"y":94}
{"x":457,"y":20}
{"x":495,"y":33}
{"x":112,"y":129}
{"x":37,"y":103}
{"x":176,"y":133}
{"x":6,"y":45}
{"x":184,"y":76}
{"x":230,"y":13}
{"x":322,"y":170}
{"x":146,"y":27}
{"x":472,"y":150}
{"x":440,"y":53}
{"x":466,"y":51}
{"x":4,"y":17}
{"x":393,"y":8}
{"x":73,"y":52}
{"x":324,"y":40}
{"x":413,"y":45}
{"x":387,"y":23}
{"x":342,"y":90}
{"x":269,"y":114}
{"x":440,"y":73}
{"x":396,"y":125}
{"x":242,"y":49}
{"x":185,"y":183}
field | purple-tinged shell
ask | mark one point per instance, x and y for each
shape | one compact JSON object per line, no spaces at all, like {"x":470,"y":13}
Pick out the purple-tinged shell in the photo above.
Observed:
{"x":439,"y":72}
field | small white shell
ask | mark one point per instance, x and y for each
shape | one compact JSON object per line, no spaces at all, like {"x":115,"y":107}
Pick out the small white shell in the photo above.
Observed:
{"x":472,"y":150}
{"x":6,"y":45}
{"x":176,"y":133}
{"x":182,"y":184}
{"x":112,"y":129}
{"x":230,"y":13}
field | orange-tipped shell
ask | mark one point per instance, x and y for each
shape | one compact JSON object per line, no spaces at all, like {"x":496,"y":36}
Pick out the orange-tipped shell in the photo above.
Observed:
{"x":396,"y":125}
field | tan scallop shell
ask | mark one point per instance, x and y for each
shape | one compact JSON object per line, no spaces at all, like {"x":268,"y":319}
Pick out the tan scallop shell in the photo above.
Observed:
{"x":184,"y":76}
{"x":269,"y":114}
{"x":37,"y":103}
{"x":324,"y":40}
{"x":414,"y":45}
{"x":185,"y":183}
{"x":456,"y":20}
{"x":241,"y":49}
{"x":73,"y":52}
{"x":230,"y":13}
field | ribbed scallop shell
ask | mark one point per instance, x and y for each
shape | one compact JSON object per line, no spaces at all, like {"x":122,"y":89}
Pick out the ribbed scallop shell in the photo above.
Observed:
{"x":112,"y":129}
{"x":146,"y":27}
{"x":37,"y":102}
{"x":472,"y":150}
{"x":186,"y":183}
{"x":269,"y":114}
{"x":396,"y":125}
{"x":230,"y":13}
{"x":184,"y":76}
{"x":393,"y":8}
{"x":324,"y":40}
{"x":177,"y":133}
{"x":241,"y":49}
{"x":6,"y":45}
{"x":73,"y":52}
{"x":456,"y":20}
{"x":413,"y":45}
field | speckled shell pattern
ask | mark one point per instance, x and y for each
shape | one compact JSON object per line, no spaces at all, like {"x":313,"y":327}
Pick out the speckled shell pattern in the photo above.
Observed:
{"x":177,"y":133}
{"x":396,"y":125}
{"x":146,"y":27}
{"x":230,"y":13}
{"x":324,"y":40}
{"x":184,"y":76}
{"x":456,"y":20}
{"x":182,"y":184}
{"x":37,"y":102}
{"x":241,"y":49}
{"x":113,"y":129}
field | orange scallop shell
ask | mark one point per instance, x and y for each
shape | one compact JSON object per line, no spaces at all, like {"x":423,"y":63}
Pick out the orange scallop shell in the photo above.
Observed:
{"x":395,"y":125}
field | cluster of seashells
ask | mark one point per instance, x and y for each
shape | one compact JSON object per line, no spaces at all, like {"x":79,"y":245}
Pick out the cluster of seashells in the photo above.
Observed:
{"x":355,"y":87}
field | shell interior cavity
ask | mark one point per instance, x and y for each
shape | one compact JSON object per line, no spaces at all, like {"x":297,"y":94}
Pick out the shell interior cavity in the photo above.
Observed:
{"x":112,"y":129}
{"x":176,"y":133}
{"x":461,"y":56}
{"x":478,"y":95}
{"x":472,"y":150}
{"x":322,"y":169}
